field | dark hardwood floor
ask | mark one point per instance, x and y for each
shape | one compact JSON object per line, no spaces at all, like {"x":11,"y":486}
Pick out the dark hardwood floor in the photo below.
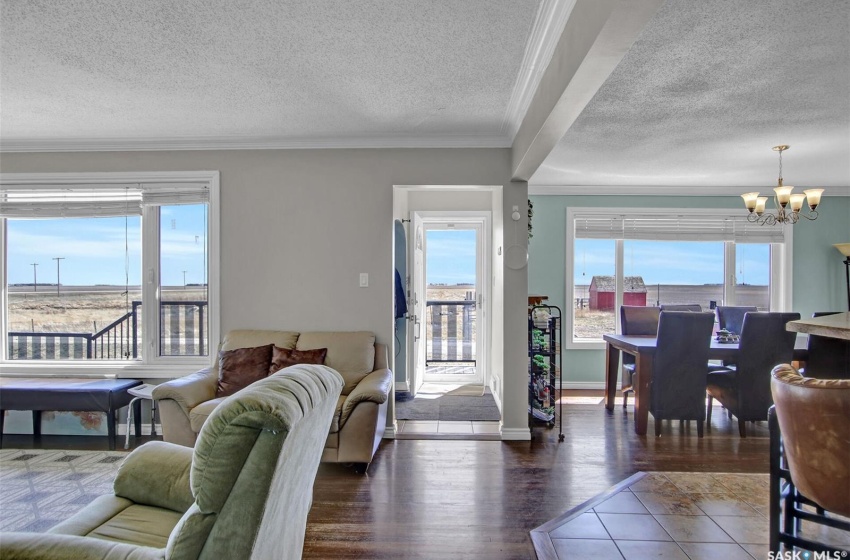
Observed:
{"x":440,"y":499}
{"x":479,"y":499}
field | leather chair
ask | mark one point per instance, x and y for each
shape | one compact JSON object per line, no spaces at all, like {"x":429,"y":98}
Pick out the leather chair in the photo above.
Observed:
{"x":635,"y":320}
{"x":684,"y":307}
{"x":679,"y":368}
{"x":744,"y":389}
{"x":809,"y":460}
{"x":243,"y":492}
{"x":828,"y":358}
{"x":731,"y":318}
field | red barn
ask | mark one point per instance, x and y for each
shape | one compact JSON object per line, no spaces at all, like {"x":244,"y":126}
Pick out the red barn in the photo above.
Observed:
{"x":602,"y":292}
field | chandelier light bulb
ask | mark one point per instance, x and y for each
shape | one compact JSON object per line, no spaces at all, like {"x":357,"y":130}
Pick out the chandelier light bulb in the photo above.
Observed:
{"x":813,"y":197}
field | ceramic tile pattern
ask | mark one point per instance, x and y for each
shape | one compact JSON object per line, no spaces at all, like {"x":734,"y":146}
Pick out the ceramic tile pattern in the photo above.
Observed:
{"x":688,"y":516}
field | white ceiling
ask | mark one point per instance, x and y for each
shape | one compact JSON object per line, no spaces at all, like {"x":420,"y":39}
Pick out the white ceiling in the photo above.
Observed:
{"x":302,"y":70}
{"x":706,"y":91}
{"x":701,"y":97}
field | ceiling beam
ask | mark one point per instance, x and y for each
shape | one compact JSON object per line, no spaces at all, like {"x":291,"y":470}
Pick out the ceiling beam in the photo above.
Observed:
{"x":597,"y":36}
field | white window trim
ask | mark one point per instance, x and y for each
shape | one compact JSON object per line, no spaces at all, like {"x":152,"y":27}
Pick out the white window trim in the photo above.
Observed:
{"x":780,"y":263}
{"x":158,"y":367}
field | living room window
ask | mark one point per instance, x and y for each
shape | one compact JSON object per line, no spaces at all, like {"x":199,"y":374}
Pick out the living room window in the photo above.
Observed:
{"x":668,"y":257}
{"x":105,"y":274}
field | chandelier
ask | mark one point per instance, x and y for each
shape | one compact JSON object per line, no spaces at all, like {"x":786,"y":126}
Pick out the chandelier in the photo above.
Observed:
{"x":788,"y":206}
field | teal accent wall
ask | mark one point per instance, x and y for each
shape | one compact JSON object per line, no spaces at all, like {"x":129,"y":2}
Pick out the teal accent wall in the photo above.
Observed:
{"x":818,"y":270}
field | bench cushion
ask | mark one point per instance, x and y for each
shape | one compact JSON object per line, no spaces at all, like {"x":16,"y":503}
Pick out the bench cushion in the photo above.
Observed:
{"x":65,"y":394}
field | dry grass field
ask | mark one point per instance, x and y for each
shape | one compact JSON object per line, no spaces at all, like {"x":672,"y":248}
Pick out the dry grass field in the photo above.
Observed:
{"x":79,"y":309}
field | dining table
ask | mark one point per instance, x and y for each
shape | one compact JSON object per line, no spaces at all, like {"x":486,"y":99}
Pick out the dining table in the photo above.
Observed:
{"x":643,"y":349}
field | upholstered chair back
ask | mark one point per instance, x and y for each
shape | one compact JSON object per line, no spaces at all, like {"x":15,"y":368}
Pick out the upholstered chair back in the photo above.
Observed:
{"x":679,"y":367}
{"x":814,"y":418}
{"x":731,"y":318}
{"x":253,"y":468}
{"x":764,"y":343}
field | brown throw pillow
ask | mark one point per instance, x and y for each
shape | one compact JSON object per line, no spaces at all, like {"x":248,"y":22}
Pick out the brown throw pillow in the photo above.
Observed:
{"x":284,"y":357}
{"x":240,"y":367}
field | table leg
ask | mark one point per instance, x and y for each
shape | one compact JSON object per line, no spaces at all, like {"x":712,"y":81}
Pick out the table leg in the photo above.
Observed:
{"x":612,"y":361}
{"x":137,"y":416}
{"x":643,"y":372}
{"x":110,"y":427}
{"x":2,"y":421}
{"x":36,"y":423}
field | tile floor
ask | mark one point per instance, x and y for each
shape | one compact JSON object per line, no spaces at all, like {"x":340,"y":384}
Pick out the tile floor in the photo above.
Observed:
{"x":433,"y":429}
{"x":675,"y":516}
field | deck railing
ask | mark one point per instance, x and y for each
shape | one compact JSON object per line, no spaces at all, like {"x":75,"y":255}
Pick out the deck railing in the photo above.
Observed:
{"x":182,"y":333}
{"x":450,"y":335}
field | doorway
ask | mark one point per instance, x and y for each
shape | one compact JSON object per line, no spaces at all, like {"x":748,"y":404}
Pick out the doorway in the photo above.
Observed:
{"x":450,"y":268}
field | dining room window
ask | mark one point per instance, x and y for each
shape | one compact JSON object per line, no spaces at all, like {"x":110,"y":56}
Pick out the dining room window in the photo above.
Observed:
{"x":668,"y":257}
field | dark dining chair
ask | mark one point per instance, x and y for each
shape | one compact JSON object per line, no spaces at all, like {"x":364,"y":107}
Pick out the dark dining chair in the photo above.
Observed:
{"x":744,"y":389}
{"x":828,"y":358}
{"x":635,"y":320}
{"x":809,"y":462}
{"x":682,"y":307}
{"x":731,"y":318}
{"x":679,"y":368}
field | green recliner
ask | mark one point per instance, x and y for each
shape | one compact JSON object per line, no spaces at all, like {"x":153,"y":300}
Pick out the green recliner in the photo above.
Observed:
{"x":244,"y":491}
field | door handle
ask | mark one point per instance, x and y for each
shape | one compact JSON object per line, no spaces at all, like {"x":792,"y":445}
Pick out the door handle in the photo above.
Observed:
{"x":418,"y":332}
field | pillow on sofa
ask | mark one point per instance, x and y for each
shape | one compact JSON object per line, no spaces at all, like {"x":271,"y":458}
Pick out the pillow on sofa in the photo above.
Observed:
{"x":240,"y":367}
{"x":285,"y":357}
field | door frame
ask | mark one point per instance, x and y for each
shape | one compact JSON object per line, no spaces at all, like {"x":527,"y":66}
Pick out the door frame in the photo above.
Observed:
{"x":479,"y":218}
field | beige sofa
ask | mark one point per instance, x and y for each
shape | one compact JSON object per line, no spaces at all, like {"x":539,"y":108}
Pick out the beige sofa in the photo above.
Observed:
{"x":243,"y":492}
{"x":361,"y":411}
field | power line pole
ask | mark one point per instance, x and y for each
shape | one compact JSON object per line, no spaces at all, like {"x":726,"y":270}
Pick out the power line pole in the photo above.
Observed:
{"x":57,"y":259}
{"x":184,"y":279}
{"x":34,"y":277}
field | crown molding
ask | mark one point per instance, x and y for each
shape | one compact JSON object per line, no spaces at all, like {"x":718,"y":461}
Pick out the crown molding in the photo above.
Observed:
{"x":549,"y":23}
{"x":660,"y":190}
{"x":251,"y":143}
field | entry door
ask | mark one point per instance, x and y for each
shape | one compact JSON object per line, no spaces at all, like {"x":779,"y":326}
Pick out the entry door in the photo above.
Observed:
{"x":450,"y":271}
{"x":417,"y":326}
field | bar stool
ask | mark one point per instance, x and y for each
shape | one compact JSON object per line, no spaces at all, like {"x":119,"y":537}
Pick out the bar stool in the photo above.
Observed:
{"x":140,"y":392}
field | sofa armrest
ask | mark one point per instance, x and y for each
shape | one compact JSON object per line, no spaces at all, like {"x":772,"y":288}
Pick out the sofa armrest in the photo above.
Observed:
{"x":375,"y":388}
{"x":188,"y":391}
{"x":157,"y":474}
{"x":48,"y":546}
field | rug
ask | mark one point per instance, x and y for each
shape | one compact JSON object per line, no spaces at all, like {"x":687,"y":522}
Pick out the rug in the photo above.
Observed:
{"x":449,"y":407}
{"x":39,"y":488}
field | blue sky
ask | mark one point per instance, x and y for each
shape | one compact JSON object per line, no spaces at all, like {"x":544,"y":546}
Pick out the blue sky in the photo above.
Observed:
{"x":671,"y":262}
{"x":93,"y":249}
{"x":450,"y":256}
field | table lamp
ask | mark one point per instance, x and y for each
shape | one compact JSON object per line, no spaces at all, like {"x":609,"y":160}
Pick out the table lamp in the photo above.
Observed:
{"x":845,"y":250}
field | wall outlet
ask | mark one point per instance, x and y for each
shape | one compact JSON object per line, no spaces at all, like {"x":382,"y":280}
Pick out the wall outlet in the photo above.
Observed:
{"x":364,"y":279}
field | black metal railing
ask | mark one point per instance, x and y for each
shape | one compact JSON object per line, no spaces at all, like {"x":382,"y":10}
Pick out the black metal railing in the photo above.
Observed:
{"x":450,"y":331}
{"x":182,"y":333}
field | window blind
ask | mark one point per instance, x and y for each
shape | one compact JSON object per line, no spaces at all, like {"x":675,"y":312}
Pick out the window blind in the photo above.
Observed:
{"x":675,"y":227}
{"x":101,"y":200}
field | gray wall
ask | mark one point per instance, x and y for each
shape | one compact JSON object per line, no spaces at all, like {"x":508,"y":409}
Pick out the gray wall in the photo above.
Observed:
{"x":298,"y":226}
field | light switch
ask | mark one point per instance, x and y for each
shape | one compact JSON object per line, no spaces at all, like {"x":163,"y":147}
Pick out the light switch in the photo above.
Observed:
{"x":364,"y":279}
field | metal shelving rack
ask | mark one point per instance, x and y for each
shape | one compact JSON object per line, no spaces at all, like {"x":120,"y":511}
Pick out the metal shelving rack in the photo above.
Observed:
{"x":544,"y":366}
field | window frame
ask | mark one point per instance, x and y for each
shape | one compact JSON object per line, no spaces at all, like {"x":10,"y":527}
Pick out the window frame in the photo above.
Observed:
{"x":780,"y":265}
{"x":150,"y":365}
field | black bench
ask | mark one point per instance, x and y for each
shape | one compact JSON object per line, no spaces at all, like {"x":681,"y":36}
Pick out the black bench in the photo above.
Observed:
{"x":68,"y":395}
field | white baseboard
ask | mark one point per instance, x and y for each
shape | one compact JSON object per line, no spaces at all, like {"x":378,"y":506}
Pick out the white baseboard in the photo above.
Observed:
{"x":515,"y":434}
{"x":389,"y":432}
{"x":584,"y":385}
{"x":146,"y":429}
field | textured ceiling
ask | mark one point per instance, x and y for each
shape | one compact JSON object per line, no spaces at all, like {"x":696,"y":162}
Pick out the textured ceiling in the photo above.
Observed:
{"x":134,"y":69}
{"x":705,"y":92}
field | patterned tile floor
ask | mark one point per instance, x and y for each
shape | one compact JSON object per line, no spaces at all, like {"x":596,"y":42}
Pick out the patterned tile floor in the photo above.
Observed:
{"x":40,"y":488}
{"x":667,"y":515}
